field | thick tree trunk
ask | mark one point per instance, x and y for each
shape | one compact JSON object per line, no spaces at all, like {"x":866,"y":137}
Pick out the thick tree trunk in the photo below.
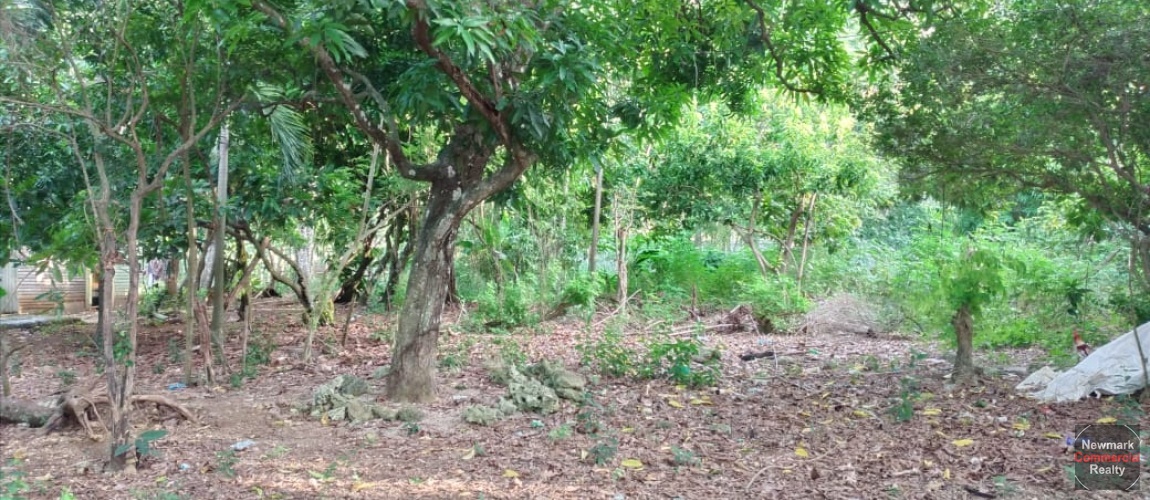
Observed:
{"x":412,"y":377}
{"x":963,"y":323}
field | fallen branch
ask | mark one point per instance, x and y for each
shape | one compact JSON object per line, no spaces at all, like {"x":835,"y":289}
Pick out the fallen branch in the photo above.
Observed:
{"x":695,"y":328}
{"x":615,"y":312}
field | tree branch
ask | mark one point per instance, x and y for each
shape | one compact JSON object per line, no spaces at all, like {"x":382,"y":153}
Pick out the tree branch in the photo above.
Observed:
{"x":776,"y":55}
{"x":420,"y":31}
{"x":333,"y":73}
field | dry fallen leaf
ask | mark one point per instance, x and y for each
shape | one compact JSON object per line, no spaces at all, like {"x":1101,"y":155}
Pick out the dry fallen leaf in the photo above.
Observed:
{"x":675,"y":403}
{"x":360,"y":486}
{"x":962,"y":442}
{"x":470,"y":454}
{"x":1021,"y":425}
{"x":861,"y":413}
{"x":510,"y":473}
{"x":632,"y":463}
{"x":932,"y":412}
{"x":802,"y":452}
{"x":1106,"y":420}
{"x":946,"y":474}
{"x":1053,"y":435}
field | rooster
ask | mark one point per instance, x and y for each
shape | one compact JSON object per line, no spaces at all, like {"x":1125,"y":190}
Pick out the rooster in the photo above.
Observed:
{"x":1081,"y":346}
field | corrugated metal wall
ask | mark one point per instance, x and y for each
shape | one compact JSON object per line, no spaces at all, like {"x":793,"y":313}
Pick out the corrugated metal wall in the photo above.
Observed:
{"x":120,"y":285}
{"x":32,"y":292}
{"x":38,"y":294}
{"x":10,"y":302}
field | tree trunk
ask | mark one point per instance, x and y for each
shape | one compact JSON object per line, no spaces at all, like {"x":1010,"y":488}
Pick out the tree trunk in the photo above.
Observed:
{"x":120,"y":394}
{"x":192,"y":274}
{"x":1140,"y":259}
{"x":807,"y":226}
{"x":242,"y":288}
{"x":172,"y":279}
{"x":963,"y":324}
{"x":789,"y":241}
{"x":594,"y":247}
{"x":117,"y":421}
{"x":350,"y":288}
{"x":412,"y":377}
{"x":622,"y":218}
{"x":404,"y":235}
{"x":219,"y":284}
{"x":749,"y":236}
{"x":451,"y":298}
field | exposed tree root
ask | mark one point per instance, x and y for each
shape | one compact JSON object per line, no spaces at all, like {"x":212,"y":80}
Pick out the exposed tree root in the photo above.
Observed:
{"x":81,"y":407}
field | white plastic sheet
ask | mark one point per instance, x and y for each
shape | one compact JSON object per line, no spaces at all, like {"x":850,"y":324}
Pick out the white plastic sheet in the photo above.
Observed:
{"x":1112,"y":369}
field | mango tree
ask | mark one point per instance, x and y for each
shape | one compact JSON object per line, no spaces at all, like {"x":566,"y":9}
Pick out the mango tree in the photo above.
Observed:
{"x":1030,"y":95}
{"x":503,"y":85}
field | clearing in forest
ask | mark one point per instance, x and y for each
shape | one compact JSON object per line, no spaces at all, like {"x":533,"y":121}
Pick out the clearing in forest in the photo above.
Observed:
{"x":826,"y":413}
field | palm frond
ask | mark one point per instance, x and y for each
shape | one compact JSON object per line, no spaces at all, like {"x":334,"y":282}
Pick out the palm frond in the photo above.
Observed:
{"x":288,"y":130}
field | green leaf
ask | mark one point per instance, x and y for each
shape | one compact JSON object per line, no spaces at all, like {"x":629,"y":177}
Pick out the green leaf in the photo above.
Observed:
{"x":122,"y":449}
{"x":152,"y":435}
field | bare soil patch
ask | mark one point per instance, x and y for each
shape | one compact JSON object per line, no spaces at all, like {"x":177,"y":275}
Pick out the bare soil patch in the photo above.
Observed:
{"x":820,"y":420}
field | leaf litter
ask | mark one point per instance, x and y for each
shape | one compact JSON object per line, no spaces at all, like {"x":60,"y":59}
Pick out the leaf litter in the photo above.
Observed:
{"x":838,"y":416}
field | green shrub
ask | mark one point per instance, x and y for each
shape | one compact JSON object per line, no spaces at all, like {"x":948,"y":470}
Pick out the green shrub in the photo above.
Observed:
{"x":607,"y":354}
{"x":683,"y":361}
{"x":775,"y":302}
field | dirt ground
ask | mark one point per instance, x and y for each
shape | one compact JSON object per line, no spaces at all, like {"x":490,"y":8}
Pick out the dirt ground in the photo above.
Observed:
{"x":822,"y":422}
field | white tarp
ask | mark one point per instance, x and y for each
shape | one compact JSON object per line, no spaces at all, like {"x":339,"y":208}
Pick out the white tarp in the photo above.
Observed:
{"x":1112,"y":369}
